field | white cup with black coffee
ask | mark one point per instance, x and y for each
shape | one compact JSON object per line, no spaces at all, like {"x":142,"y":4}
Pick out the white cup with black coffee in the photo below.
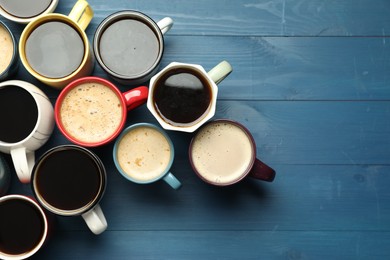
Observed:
{"x":183,"y":96}
{"x":27,"y":122}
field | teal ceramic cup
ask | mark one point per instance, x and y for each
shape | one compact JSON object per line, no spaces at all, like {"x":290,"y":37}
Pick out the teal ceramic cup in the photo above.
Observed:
{"x":144,"y":153}
{"x":5,"y":176}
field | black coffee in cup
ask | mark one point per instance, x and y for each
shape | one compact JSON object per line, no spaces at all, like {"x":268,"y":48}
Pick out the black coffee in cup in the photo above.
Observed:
{"x":54,"y":49}
{"x":25,"y":8}
{"x":21,"y":226}
{"x":18,"y":114}
{"x":182,"y":96}
{"x":68,"y":179}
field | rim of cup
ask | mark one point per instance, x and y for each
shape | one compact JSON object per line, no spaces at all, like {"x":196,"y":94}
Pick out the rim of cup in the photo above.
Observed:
{"x":45,"y":231}
{"x":51,"y":17}
{"x":119,"y":15}
{"x":75,"y":84}
{"x":24,"y":20}
{"x":193,"y":126}
{"x":85,"y":208}
{"x":15,"y":50}
{"x":19,"y":84}
{"x":127,"y":130}
{"x":253,"y":148}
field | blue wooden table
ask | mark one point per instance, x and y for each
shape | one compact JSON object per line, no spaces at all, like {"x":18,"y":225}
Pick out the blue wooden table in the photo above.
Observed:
{"x":311,"y":80}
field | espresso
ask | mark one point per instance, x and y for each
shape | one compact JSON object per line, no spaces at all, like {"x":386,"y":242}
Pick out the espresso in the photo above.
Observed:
{"x":21,"y":226}
{"x":6,"y":49}
{"x":91,"y":112}
{"x":221,"y":152}
{"x":68,"y":179}
{"x":54,"y":49}
{"x":182,"y":96}
{"x":18,"y":114}
{"x":143,"y":153}
{"x":25,"y":8}
{"x":129,"y":47}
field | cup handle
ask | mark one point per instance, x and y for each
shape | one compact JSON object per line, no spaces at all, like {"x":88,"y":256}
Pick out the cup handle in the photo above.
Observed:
{"x":172,"y":181}
{"x":23,"y":162}
{"x":220,"y":72}
{"x":81,"y":13}
{"x":262,"y":171}
{"x":165,"y":24}
{"x":95,"y":220}
{"x":136,"y":97}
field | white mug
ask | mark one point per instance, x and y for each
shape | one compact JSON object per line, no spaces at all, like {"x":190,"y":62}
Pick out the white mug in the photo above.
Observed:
{"x":24,"y":11}
{"x":14,"y":114}
{"x":183,"y":96}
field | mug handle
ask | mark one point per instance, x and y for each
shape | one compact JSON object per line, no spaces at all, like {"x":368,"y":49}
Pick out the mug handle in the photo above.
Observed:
{"x":262,"y":171}
{"x":23,"y":162}
{"x":165,"y":24}
{"x":81,"y":14}
{"x":172,"y":181}
{"x":220,"y":72}
{"x":95,"y":220}
{"x":136,"y":97}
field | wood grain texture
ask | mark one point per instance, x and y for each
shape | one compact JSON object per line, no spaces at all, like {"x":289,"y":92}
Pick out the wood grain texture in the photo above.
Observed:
{"x":311,"y":82}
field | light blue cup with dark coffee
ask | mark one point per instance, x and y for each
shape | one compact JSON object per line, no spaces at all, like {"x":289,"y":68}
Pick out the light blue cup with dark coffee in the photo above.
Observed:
{"x":5,"y":176}
{"x":143,"y":153}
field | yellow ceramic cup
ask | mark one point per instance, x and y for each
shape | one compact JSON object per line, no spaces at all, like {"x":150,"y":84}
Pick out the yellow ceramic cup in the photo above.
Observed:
{"x":79,"y":18}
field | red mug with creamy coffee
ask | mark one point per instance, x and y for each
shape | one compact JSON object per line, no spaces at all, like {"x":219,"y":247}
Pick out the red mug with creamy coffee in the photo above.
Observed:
{"x":223,"y":152}
{"x":91,"y":111}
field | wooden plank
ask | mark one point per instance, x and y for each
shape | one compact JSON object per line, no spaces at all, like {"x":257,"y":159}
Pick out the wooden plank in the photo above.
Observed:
{"x":302,"y":197}
{"x":255,"y":18}
{"x":272,"y":68}
{"x":313,"y":132}
{"x":260,"y":17}
{"x":295,"y":132}
{"x":218,"y":245}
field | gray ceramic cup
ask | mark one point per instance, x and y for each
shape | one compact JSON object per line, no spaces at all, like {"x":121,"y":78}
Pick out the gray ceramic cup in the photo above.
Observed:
{"x":129,"y":45}
{"x":5,"y":176}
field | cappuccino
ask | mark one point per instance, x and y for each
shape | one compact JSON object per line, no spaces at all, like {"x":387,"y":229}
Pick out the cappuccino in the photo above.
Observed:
{"x":222,"y":152}
{"x":6,"y":49}
{"x":91,"y":112}
{"x":144,"y":153}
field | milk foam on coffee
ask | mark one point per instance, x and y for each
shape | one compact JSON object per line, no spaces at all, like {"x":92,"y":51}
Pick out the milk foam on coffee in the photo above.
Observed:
{"x":143,"y":153}
{"x":221,"y":152}
{"x":6,"y":49}
{"x":91,"y":112}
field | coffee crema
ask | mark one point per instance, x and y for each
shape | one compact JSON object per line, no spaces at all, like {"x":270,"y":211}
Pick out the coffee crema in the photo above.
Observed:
{"x":21,"y":226}
{"x":182,"y":96}
{"x":91,"y":112}
{"x":129,"y":47}
{"x":54,"y":49}
{"x":6,"y":49}
{"x":221,"y":152}
{"x":25,"y":8}
{"x":143,"y":153}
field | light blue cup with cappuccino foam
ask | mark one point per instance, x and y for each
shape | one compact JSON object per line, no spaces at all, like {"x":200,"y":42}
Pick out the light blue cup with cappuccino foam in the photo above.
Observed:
{"x":143,"y":153}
